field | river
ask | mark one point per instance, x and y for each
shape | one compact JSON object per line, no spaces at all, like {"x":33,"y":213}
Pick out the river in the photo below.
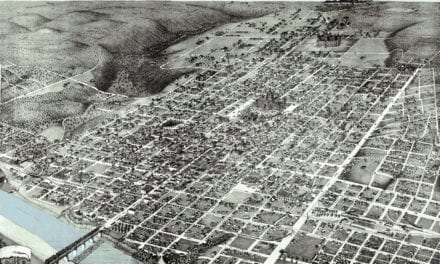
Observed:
{"x":55,"y":232}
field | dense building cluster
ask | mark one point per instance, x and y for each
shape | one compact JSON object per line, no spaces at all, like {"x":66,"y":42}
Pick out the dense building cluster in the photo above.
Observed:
{"x":238,"y":161}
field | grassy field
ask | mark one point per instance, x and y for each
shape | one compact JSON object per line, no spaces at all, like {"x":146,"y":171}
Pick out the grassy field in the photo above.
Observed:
{"x":304,"y":247}
{"x":364,"y":166}
{"x":366,"y":52}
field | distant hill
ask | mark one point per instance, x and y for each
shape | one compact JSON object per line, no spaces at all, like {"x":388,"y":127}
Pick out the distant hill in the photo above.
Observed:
{"x":99,"y":29}
{"x":244,"y":9}
{"x":114,"y":39}
{"x":47,"y":30}
{"x":51,"y":49}
{"x":136,"y":36}
{"x":66,"y":21}
{"x":29,"y":20}
{"x":8,"y":27}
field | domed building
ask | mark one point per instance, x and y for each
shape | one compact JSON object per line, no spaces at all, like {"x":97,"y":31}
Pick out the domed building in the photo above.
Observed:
{"x":15,"y":255}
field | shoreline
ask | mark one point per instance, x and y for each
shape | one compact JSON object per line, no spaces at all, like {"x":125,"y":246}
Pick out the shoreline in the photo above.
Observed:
{"x":47,"y":207}
{"x":52,"y":209}
{"x":58,"y":213}
{"x":40,"y":249}
{"x":17,"y":234}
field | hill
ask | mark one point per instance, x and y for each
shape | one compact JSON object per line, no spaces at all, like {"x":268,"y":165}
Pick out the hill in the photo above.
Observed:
{"x":245,"y":9}
{"x":36,"y":111}
{"x":71,"y":38}
{"x":29,"y":20}
{"x":51,"y":49}
{"x":98,"y":29}
{"x":64,"y":22}
{"x":134,"y":37}
{"x":8,"y":27}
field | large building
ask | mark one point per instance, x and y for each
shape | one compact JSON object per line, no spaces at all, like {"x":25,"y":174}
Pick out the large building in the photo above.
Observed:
{"x":15,"y":255}
{"x":328,"y":40}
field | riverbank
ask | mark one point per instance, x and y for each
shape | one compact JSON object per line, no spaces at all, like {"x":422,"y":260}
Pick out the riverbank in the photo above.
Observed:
{"x":46,"y":228}
{"x":18,"y":190}
{"x":12,"y":233}
{"x":43,"y":225}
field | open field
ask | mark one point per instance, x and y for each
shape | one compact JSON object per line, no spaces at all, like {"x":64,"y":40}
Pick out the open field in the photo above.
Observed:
{"x":366,"y":52}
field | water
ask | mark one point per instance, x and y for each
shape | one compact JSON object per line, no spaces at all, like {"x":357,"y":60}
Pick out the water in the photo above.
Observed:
{"x":107,"y":251}
{"x":55,"y":232}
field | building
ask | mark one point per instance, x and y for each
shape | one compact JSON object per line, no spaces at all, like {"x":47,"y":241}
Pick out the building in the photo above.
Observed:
{"x":15,"y":255}
{"x":346,"y":1}
{"x":328,"y":40}
{"x":345,"y":21}
{"x":270,"y":101}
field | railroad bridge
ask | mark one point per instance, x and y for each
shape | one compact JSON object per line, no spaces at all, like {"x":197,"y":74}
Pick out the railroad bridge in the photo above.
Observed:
{"x":76,"y":247}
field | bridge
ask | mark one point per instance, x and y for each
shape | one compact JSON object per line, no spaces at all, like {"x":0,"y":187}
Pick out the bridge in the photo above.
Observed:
{"x":71,"y":251}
